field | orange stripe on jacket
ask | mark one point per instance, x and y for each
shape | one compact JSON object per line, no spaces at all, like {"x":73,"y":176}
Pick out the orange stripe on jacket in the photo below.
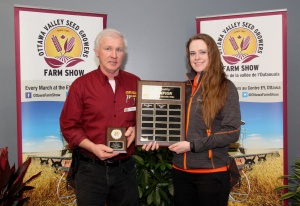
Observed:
{"x":220,"y":169}
{"x":194,"y":90}
{"x":208,"y":132}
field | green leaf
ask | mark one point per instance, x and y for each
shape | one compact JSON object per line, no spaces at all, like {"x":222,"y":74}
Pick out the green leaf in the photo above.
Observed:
{"x":156,"y":197}
{"x":283,"y":187}
{"x":149,"y":190}
{"x":144,"y":177}
{"x":150,"y":198}
{"x":162,"y":184}
{"x":162,"y":166}
{"x":171,"y":189}
{"x":164,"y":195}
{"x":140,"y":191}
{"x":297,"y":197}
{"x":297,"y":176}
{"x":169,"y":166}
{"x":286,"y":176}
{"x":287,"y":195}
{"x":138,"y":159}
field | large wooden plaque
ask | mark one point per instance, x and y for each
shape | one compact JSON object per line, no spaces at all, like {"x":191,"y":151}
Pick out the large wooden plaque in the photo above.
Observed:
{"x":160,"y":112}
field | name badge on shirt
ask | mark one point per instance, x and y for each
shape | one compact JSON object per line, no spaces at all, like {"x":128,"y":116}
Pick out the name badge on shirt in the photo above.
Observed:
{"x":130,"y":109}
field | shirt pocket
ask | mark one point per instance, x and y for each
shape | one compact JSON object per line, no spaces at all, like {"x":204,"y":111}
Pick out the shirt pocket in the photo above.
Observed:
{"x":130,"y":109}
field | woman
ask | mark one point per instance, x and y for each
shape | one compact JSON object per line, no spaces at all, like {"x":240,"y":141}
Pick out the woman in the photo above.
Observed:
{"x":200,"y":164}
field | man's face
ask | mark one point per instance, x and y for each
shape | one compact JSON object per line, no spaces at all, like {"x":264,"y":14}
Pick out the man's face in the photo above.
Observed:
{"x":111,"y":54}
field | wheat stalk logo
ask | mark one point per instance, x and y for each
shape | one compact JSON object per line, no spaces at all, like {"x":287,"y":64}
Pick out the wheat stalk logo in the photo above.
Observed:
{"x":69,"y":44}
{"x":56,"y":43}
{"x":243,"y":46}
{"x":240,"y":56}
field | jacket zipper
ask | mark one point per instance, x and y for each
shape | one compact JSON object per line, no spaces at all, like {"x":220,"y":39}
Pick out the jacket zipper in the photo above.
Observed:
{"x":188,"y":114}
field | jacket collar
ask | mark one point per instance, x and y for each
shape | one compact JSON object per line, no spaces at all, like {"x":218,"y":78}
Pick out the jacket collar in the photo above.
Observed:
{"x":190,"y":76}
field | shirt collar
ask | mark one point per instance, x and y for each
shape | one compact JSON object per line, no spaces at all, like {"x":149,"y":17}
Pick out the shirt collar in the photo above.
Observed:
{"x":103,"y":78}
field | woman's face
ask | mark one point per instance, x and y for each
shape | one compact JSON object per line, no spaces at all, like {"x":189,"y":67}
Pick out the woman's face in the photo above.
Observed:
{"x":198,"y":55}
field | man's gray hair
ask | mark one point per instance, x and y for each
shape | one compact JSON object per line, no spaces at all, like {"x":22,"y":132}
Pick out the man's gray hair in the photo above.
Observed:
{"x":108,"y":32}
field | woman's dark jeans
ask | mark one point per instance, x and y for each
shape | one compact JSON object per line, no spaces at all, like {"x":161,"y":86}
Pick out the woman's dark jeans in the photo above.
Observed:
{"x":211,"y":189}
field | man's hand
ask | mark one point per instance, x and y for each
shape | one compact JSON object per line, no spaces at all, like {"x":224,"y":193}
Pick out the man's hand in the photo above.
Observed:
{"x":151,"y":145}
{"x":180,"y":147}
{"x":130,"y":135}
{"x":103,"y":152}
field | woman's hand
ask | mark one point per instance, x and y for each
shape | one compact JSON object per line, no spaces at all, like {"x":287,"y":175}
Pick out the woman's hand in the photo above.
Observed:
{"x":180,"y":147}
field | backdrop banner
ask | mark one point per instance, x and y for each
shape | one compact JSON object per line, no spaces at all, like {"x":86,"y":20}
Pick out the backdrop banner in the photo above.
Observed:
{"x":253,"y":48}
{"x":53,"y":48}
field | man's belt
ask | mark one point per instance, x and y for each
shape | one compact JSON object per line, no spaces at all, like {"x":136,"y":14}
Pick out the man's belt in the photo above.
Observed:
{"x":108,"y":163}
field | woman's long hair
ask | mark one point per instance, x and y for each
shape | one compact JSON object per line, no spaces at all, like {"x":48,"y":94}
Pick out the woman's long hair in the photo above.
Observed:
{"x":214,"y":84}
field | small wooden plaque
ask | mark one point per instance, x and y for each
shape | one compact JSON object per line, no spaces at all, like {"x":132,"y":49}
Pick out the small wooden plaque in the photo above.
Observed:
{"x":115,"y":139}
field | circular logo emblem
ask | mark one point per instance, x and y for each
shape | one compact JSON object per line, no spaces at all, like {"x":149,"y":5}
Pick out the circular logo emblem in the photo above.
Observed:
{"x":240,"y":45}
{"x":116,"y":134}
{"x":64,"y":43}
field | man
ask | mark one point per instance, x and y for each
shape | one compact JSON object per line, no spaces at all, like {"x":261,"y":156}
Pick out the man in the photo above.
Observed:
{"x":105,"y":97}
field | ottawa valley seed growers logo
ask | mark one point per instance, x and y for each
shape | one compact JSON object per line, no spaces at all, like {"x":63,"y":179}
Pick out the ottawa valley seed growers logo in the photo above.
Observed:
{"x":62,"y":44}
{"x":240,"y":42}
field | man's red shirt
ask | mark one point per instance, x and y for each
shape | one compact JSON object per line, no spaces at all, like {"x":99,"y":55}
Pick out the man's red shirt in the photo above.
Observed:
{"x":91,"y":106}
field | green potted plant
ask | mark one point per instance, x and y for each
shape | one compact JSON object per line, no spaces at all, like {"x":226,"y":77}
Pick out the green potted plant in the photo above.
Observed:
{"x":291,"y":191}
{"x":154,"y":176}
{"x":11,"y":181}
